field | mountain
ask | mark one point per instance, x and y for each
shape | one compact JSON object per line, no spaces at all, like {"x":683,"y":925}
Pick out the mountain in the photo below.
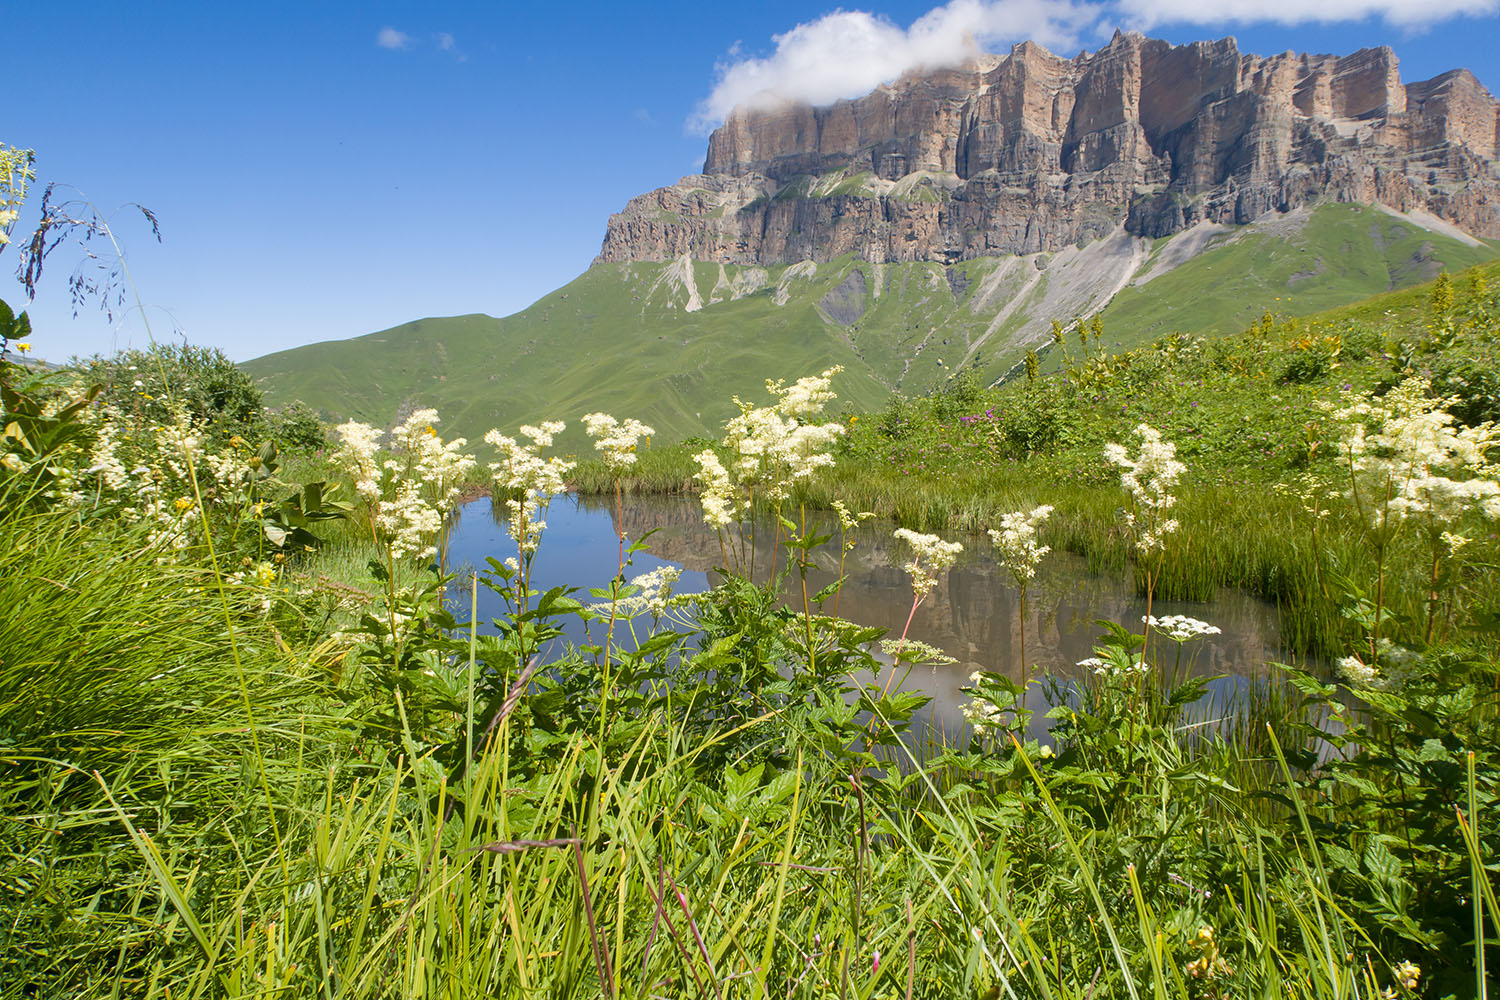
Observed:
{"x":944,"y":221}
{"x":1034,"y":153}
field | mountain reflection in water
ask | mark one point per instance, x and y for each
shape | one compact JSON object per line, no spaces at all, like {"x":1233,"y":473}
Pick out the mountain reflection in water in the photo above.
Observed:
{"x":971,"y":615}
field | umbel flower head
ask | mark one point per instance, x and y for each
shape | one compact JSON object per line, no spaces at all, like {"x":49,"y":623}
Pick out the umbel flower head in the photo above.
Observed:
{"x":931,"y":556}
{"x":1180,"y":628}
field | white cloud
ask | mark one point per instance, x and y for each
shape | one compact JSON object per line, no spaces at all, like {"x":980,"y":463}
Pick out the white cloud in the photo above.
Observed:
{"x":849,"y":53}
{"x":390,"y":38}
{"x":1409,"y":14}
{"x":445,"y":42}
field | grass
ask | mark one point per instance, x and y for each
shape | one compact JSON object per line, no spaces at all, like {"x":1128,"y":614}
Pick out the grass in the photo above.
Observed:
{"x":1244,"y":411}
{"x":206,"y":795}
{"x":618,"y":338}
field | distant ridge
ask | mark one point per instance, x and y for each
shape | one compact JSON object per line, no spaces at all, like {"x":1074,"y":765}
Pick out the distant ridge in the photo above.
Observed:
{"x":944,"y":222}
{"x":1031,"y":153}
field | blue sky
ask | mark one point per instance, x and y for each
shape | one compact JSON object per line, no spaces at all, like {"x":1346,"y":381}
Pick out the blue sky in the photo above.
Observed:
{"x":324,"y":170}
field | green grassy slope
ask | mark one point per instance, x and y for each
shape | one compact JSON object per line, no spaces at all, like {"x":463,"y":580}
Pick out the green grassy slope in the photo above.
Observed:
{"x":621,"y":337}
{"x":1343,"y":253}
{"x":618,"y":339}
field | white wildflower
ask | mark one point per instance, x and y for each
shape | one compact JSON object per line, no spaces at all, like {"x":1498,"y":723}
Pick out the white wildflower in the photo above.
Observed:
{"x":982,"y":716}
{"x":1015,"y":542}
{"x":409,"y":523}
{"x":615,"y":438}
{"x":931,"y":556}
{"x":916,"y":651}
{"x":654,"y":589}
{"x":1407,"y":457}
{"x":1149,"y":479}
{"x":717,"y":497}
{"x":1181,"y":628}
{"x":807,"y":396}
{"x":356,"y":454}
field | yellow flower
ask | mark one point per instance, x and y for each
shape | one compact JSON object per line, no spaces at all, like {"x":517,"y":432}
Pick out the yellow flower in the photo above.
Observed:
{"x":183,"y":503}
{"x":236,"y":442}
{"x":23,"y":346}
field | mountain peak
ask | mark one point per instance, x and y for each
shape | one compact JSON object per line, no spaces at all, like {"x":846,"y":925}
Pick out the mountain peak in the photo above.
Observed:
{"x":1031,"y":152}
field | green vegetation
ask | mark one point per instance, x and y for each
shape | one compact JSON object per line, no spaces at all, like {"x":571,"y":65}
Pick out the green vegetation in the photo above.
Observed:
{"x":621,"y":338}
{"x":254,"y":744}
{"x":239,"y":764}
{"x":1340,"y":254}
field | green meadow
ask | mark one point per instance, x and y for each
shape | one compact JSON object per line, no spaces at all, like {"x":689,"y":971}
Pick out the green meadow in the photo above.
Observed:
{"x":257,"y":742}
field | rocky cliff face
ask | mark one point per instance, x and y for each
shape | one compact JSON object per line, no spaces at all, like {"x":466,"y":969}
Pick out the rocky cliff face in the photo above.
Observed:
{"x":1032,"y":153}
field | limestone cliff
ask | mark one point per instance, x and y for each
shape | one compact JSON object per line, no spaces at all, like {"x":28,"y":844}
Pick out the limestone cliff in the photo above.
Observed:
{"x":1032,"y":152}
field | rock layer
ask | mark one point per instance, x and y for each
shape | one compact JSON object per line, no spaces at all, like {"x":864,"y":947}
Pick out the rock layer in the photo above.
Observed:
{"x":1032,"y":152}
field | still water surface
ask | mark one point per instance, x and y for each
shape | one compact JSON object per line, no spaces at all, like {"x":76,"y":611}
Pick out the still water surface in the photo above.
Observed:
{"x":972,"y":614}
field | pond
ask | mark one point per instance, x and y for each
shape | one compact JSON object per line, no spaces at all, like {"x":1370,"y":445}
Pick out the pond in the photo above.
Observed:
{"x":971,"y":615}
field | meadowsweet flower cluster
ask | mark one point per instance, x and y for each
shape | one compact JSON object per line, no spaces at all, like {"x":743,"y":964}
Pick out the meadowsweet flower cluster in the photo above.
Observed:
{"x":525,"y":482}
{"x":983,"y":714}
{"x":411,"y":490}
{"x":358,"y":448}
{"x":771,"y":447}
{"x":422,"y":456}
{"x":1149,"y":478}
{"x":1180,"y":628}
{"x":160,"y":477}
{"x":720,"y":505}
{"x":615,"y":439}
{"x":653,"y":592}
{"x":1388,"y":670}
{"x":931,"y":556}
{"x":1016,"y":543}
{"x":1407,"y":457}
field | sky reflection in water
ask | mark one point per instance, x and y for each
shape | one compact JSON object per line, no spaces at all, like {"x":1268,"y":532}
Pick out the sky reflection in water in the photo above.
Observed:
{"x":972,"y":614}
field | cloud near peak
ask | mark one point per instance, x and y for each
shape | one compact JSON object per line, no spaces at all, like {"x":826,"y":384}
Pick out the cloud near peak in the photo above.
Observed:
{"x":849,"y":53}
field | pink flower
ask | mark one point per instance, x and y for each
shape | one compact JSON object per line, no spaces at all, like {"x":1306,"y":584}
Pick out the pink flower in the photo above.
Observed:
{"x":875,"y":965}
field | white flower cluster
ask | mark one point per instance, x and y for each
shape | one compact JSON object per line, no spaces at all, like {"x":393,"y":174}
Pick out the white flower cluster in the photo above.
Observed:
{"x":980,"y":712}
{"x":423,"y":457}
{"x":915,"y":651}
{"x":772,"y":447}
{"x":1149,"y":479}
{"x":1393,"y":666}
{"x":151,"y":476}
{"x":527,"y":481}
{"x":409,"y":522}
{"x":414,"y":487}
{"x":720,"y":504}
{"x":983,"y":717}
{"x":615,"y":438}
{"x":1016,"y":544}
{"x":359,"y":444}
{"x":1180,"y":628}
{"x":654,"y":590}
{"x":1408,"y":458}
{"x":931,"y":556}
{"x":1099,"y":665}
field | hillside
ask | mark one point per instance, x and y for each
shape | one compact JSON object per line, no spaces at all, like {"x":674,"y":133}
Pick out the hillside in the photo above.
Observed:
{"x":672,"y":342}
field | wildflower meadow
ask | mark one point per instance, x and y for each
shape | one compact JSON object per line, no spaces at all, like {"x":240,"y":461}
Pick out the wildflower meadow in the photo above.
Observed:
{"x":256,"y":741}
